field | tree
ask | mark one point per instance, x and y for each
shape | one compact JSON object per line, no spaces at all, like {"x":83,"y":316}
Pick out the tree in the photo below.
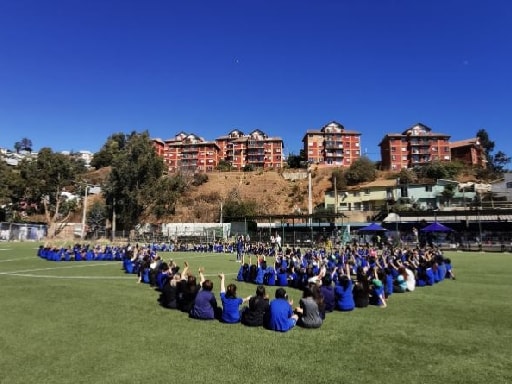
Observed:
{"x":26,"y":144}
{"x":407,"y":176}
{"x":224,"y":166}
{"x":338,"y":180}
{"x":296,"y":161}
{"x":114,"y":145}
{"x":234,"y":207}
{"x":500,"y":160}
{"x":97,"y":216}
{"x":495,"y":162}
{"x":362,"y":170}
{"x":43,"y":180}
{"x":135,"y":177}
{"x":448,"y":193}
{"x":163,"y":197}
{"x":17,"y":146}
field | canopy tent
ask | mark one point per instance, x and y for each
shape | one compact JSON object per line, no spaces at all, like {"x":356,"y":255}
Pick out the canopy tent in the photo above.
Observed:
{"x":373,"y":227}
{"x":436,"y":227}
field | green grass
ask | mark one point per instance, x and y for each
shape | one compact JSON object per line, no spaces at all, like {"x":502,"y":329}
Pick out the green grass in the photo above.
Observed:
{"x":88,"y":322}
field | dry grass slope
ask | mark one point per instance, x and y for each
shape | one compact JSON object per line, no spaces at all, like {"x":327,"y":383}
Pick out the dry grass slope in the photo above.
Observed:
{"x":272,"y":192}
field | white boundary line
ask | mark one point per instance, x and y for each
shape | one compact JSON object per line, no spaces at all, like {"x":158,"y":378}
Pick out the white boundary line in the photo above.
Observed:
{"x":20,"y":258}
{"x":72,"y":277}
{"x":25,"y":273}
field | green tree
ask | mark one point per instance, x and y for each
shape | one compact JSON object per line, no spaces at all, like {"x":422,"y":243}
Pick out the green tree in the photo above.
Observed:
{"x":114,"y":145}
{"x":97,"y":216}
{"x":26,"y":144}
{"x":135,"y":176}
{"x":448,"y":193}
{"x":500,"y":160}
{"x":495,"y":162}
{"x":407,"y":176}
{"x":296,"y":161}
{"x":362,"y":170}
{"x":224,"y":166}
{"x":235,"y":208}
{"x":161,"y":200}
{"x":43,"y":180}
{"x":338,"y":180}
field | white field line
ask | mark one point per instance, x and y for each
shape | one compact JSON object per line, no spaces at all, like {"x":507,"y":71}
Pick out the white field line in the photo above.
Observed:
{"x":26,"y":272}
{"x":103,"y":263}
{"x":72,"y":277}
{"x":20,"y":258}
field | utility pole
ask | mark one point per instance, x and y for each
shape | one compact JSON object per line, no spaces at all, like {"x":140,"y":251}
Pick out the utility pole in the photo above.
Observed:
{"x":310,"y":196}
{"x":84,"y":213}
{"x":113,"y":218}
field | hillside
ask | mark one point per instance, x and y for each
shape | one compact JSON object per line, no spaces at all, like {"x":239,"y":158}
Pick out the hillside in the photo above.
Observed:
{"x":273,"y":193}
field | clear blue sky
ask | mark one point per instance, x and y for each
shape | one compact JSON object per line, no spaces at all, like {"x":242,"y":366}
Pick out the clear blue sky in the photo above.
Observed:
{"x":73,"y":72}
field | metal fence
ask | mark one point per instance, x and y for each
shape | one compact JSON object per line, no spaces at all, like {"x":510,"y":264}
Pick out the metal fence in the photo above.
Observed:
{"x":22,"y":232}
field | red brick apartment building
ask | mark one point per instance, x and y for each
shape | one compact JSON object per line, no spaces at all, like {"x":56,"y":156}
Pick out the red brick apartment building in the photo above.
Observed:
{"x":191,"y":153}
{"x":332,"y":145}
{"x":469,"y":152}
{"x":417,"y":145}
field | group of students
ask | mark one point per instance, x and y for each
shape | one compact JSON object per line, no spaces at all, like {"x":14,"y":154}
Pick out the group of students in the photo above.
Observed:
{"x":196,"y":298}
{"x":355,"y":277}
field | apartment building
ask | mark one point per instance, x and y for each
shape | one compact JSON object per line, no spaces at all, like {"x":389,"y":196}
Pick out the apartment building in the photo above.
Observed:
{"x":191,"y":153}
{"x":188,"y":152}
{"x":469,"y":152}
{"x":255,"y":149}
{"x":332,"y":145}
{"x":415,"y":146}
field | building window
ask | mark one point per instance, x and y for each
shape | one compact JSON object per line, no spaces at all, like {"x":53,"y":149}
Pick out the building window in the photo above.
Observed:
{"x":428,"y":188}
{"x":366,"y":191}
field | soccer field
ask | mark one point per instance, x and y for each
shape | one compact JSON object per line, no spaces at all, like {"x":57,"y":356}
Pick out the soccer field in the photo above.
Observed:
{"x":89,"y":322}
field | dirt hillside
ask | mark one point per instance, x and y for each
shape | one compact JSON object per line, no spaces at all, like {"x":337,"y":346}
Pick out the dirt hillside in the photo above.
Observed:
{"x":273,"y":193}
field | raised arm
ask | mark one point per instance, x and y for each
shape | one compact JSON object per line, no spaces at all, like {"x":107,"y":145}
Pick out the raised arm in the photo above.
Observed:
{"x":184,"y":274}
{"x":201,"y":276}
{"x":222,"y":283}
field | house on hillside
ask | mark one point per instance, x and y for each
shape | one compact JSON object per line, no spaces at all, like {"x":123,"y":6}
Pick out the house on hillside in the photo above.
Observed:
{"x":371,"y":196}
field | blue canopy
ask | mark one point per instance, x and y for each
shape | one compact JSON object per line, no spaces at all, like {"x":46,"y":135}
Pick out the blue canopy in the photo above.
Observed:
{"x":436,"y":227}
{"x":373,"y":227}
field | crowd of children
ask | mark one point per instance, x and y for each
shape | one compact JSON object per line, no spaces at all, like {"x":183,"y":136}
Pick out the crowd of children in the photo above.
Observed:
{"x":337,"y":279}
{"x":344,"y":279}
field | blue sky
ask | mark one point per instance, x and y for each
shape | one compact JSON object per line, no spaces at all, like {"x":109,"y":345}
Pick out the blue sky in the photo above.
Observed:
{"x":74,"y":72}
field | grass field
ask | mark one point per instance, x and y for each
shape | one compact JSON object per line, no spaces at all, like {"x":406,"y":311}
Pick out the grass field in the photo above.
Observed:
{"x":89,"y":322}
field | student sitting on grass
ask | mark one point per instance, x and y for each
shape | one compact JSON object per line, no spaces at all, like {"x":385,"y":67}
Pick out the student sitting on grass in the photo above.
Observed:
{"x":361,"y":289}
{"x":308,"y":310}
{"x":254,"y":314}
{"x":327,"y":291}
{"x":205,"y":305}
{"x":230,"y":303}
{"x":343,"y":292}
{"x":171,"y":292}
{"x":281,"y":316}
{"x":189,"y":291}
